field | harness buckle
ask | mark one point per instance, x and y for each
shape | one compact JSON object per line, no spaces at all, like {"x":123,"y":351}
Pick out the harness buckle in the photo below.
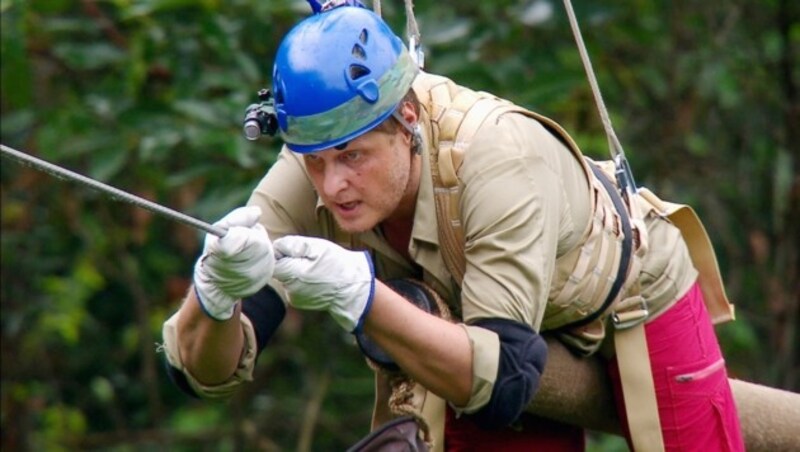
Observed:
{"x":634,"y":312}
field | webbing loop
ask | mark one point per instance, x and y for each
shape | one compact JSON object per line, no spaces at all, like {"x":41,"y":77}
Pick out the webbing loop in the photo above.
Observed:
{"x":627,"y":249}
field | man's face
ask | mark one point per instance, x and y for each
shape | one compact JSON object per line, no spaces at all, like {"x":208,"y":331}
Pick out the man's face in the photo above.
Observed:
{"x":366,"y":182}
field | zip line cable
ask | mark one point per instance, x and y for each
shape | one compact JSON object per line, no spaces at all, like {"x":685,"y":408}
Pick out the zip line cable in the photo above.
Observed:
{"x":112,"y":192}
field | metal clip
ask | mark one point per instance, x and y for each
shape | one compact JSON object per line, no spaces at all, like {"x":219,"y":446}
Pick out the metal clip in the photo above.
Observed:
{"x":631,"y":317}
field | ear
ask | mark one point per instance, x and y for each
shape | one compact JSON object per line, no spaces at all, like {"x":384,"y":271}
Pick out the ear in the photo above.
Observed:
{"x":408,"y":113}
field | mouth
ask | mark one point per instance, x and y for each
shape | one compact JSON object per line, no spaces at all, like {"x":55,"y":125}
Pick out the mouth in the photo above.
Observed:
{"x":347,"y":207}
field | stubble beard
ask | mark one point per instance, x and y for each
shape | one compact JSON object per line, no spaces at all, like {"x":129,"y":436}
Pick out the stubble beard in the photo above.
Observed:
{"x":384,"y":204}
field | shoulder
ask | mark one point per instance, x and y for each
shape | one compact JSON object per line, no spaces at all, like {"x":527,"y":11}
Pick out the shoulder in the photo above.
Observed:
{"x":511,"y":138}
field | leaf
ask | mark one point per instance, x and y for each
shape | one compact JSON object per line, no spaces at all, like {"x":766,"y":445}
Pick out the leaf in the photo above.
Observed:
{"x":15,"y":72}
{"x":88,"y":57}
{"x":108,"y":163}
{"x":197,"y":110}
{"x":158,"y":143}
{"x":17,"y":122}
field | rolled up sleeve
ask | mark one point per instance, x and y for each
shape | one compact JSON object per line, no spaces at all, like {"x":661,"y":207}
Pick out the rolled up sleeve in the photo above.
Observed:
{"x":244,"y":370}
{"x":485,"y":347}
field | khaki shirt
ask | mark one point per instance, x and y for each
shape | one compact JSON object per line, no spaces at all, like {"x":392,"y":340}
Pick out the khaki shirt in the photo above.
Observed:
{"x":525,"y":202}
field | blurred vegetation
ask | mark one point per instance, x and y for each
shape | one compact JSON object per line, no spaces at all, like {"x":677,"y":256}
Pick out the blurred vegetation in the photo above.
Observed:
{"x":148,"y":96}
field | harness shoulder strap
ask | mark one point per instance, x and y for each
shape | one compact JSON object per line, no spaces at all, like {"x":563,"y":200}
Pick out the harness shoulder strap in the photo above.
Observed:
{"x":701,"y":252}
{"x":456,"y":115}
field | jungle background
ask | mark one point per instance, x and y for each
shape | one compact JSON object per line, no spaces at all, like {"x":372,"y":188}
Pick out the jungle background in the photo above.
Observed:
{"x":148,"y":96}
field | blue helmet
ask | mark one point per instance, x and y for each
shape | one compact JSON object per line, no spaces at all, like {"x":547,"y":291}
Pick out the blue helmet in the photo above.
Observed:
{"x":337,"y":75}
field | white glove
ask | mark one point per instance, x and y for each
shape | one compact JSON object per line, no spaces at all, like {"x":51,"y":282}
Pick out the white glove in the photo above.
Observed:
{"x":323,"y":276}
{"x":234,"y":266}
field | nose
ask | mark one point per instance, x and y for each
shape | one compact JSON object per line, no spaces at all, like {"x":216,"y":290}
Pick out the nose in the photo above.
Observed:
{"x":335,"y":179}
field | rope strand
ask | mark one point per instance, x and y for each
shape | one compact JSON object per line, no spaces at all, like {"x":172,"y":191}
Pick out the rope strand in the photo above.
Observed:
{"x":617,"y":153}
{"x":411,"y":22}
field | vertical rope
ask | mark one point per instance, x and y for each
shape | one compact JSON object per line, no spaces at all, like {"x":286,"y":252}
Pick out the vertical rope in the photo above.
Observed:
{"x":376,"y":7}
{"x":587,"y":65}
{"x":615,"y":146}
{"x":412,"y":33}
{"x":411,"y":22}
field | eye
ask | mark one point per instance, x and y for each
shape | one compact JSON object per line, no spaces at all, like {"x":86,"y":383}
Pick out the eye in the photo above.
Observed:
{"x":312,"y":160}
{"x":350,"y":156}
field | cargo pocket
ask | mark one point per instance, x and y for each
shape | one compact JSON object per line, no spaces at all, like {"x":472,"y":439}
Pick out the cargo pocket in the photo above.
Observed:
{"x":700,"y":413}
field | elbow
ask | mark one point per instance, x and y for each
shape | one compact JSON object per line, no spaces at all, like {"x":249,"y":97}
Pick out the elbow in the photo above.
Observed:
{"x":179,"y":379}
{"x":523,"y":354}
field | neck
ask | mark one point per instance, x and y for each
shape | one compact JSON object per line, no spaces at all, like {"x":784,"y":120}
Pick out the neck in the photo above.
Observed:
{"x":397,"y":227}
{"x":398,"y":235}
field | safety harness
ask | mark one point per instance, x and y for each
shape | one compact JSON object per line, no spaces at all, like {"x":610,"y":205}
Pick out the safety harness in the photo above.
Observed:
{"x":455,"y":115}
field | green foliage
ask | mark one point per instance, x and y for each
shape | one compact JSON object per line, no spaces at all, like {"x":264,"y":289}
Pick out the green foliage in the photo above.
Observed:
{"x":148,"y":95}
{"x":62,"y":318}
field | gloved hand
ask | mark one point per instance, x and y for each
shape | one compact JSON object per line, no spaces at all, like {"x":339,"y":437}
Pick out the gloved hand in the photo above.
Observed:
{"x":234,"y":266}
{"x":322,"y":276}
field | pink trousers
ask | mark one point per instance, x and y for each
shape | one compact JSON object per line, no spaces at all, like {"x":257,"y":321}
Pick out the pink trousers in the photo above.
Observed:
{"x":695,"y":403}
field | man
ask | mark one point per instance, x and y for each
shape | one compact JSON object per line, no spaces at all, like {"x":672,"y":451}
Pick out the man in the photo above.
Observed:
{"x":547,"y":246}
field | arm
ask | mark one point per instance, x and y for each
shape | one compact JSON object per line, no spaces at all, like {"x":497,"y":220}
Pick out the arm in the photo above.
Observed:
{"x":210,"y":349}
{"x":406,"y":332}
{"x":206,"y":340}
{"x":203,"y":360}
{"x":491,"y":368}
{"x":218,"y":350}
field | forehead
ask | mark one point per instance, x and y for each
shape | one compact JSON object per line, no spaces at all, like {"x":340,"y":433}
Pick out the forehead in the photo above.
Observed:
{"x":373,"y":140}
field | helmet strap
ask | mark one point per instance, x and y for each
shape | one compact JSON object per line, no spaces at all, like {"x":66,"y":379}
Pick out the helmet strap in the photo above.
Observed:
{"x":414,"y":130}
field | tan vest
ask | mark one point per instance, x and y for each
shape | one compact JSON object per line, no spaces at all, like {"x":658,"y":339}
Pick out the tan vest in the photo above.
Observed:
{"x":583,"y":275}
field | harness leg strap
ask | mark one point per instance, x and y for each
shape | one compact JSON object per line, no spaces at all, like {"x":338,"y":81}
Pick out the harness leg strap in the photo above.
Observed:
{"x":638,"y":389}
